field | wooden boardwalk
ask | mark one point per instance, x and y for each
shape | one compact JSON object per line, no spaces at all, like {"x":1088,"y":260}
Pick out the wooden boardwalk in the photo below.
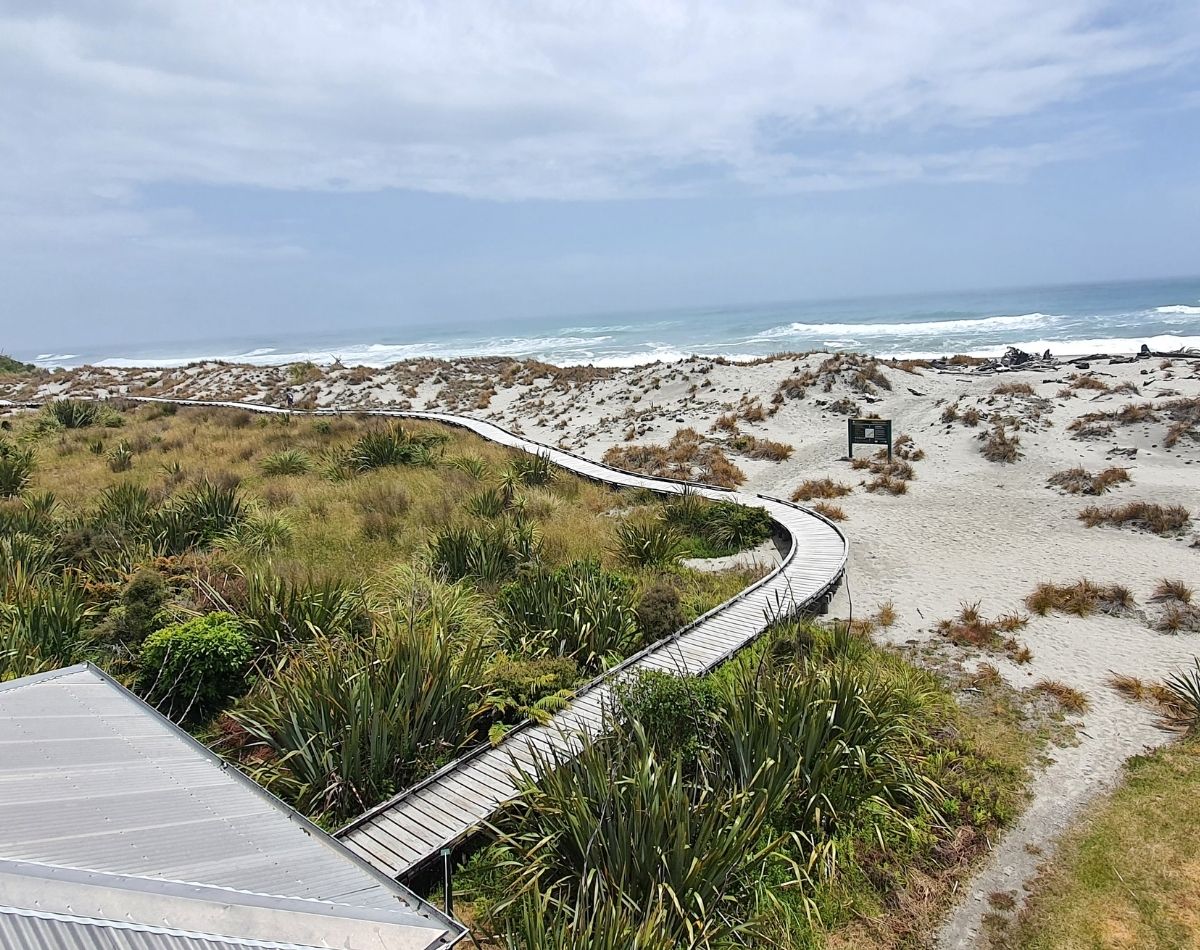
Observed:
{"x":403,"y":834}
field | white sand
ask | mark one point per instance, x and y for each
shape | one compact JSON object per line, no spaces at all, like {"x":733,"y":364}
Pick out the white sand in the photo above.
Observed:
{"x":967,"y":530}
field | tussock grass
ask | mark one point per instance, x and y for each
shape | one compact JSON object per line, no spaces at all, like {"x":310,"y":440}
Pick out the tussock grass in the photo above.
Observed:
{"x":1079,"y":481}
{"x":970,"y":416}
{"x":1082,"y":598}
{"x":820,"y":488}
{"x":1144,"y":515}
{"x":832,"y":512}
{"x":999,"y":446}
{"x":1013,"y":389}
{"x":1174,"y":590}
{"x":905,"y":448}
{"x":887,"y":484}
{"x":971,"y":629}
{"x":1071,"y":699}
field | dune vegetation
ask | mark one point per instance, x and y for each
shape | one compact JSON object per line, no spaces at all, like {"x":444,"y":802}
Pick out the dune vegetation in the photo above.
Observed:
{"x":816,"y":791}
{"x":339,"y":604}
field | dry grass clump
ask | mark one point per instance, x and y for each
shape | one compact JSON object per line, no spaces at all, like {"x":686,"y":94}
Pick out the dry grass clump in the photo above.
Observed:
{"x":795,"y":386}
{"x":727,"y":423}
{"x":844,"y":407}
{"x":756,"y":448}
{"x":950,"y":413}
{"x":971,"y":629}
{"x":1081,"y":381}
{"x":1148,"y":516}
{"x":1013,"y":389}
{"x":888,"y":484}
{"x":1185,"y":416}
{"x":1071,"y":699}
{"x":1178,"y":618}
{"x":999,"y":445}
{"x":1081,"y":598}
{"x":905,"y":448}
{"x":886,"y":615}
{"x":1168,"y":591}
{"x":686,"y":456}
{"x":832,"y":512}
{"x":970,"y":416}
{"x":1079,"y":481}
{"x":820,"y":488}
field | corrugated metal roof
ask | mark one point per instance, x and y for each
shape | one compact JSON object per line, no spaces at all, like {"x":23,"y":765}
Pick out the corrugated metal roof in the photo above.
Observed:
{"x":93,"y":779}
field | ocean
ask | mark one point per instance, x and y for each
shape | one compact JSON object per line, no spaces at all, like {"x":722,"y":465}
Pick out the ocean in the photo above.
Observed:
{"x":1068,"y":320}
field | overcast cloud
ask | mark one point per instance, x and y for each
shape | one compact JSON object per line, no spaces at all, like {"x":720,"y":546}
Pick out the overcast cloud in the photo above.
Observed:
{"x":137,"y":127}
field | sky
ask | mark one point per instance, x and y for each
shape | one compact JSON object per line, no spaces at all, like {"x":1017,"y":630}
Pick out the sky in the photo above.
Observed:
{"x":173,"y":170}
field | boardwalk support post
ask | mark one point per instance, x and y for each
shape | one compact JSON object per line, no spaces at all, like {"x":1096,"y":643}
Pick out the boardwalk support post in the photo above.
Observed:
{"x":447,"y":883}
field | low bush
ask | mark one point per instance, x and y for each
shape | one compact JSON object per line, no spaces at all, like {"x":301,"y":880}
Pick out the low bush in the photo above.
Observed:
{"x":73,"y":413}
{"x":1071,"y":699}
{"x":120,"y":459}
{"x":765,"y":449}
{"x":488,"y":554}
{"x":395,"y":445}
{"x":281,"y":611}
{"x":189,"y":670}
{"x":1013,"y":389}
{"x":1166,"y":591}
{"x":676,"y":712}
{"x":717,"y":528}
{"x":659,"y":612}
{"x":137,"y":612}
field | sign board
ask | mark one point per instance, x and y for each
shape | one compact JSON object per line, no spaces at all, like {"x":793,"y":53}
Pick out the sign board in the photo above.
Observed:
{"x":869,"y":432}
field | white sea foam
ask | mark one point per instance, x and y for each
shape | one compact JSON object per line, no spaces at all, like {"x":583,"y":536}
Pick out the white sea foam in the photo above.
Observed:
{"x":1179,"y":308}
{"x":921,"y":328}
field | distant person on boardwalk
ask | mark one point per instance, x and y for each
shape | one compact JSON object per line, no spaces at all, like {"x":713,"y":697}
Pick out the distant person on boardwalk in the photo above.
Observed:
{"x":291,"y":399}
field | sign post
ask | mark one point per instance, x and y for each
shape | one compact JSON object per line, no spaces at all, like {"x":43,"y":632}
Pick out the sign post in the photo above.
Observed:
{"x":869,"y":432}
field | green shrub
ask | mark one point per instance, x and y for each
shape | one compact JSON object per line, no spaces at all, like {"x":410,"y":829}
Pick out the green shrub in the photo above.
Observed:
{"x":189,"y":670}
{"x":718,"y":528}
{"x":198,"y":517}
{"x":137,"y":613}
{"x":73,"y":413}
{"x":348,"y":723}
{"x":41,"y":625}
{"x":282,"y":611}
{"x":120,"y":459}
{"x":16,"y":469}
{"x":648,"y":542}
{"x":394,"y":445}
{"x":675,"y":711}
{"x":522,"y":682}
{"x":489,"y":554}
{"x":578,"y":611}
{"x":532,"y":470}
{"x":659,"y":612}
{"x":286,"y":462}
